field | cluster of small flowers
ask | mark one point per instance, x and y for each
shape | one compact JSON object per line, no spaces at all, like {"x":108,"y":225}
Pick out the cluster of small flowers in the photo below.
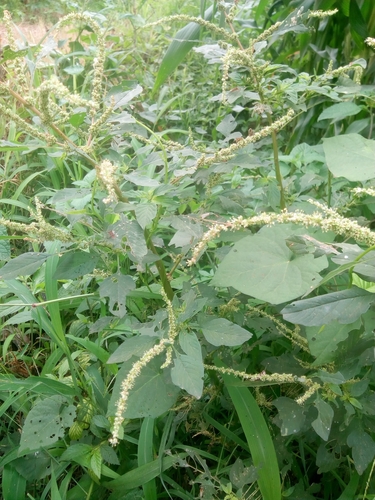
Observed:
{"x":280,"y":378}
{"x":370,"y":42}
{"x":129,"y":382}
{"x":105,"y":172}
{"x":328,"y":220}
{"x":226,"y":153}
{"x":321,"y":14}
{"x":363,"y":191}
{"x":292,"y":335}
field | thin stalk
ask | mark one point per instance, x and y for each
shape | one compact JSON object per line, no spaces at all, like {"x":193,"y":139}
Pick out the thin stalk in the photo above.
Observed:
{"x":279,"y":177}
{"x":329,"y":189}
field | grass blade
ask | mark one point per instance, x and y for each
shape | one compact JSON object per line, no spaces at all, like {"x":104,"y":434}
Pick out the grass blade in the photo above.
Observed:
{"x":258,"y":438}
{"x":145,"y":454}
{"x":13,"y":484}
{"x":184,"y":41}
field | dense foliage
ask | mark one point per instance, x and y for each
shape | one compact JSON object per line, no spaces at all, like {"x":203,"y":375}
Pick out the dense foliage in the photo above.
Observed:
{"x":187,"y":256}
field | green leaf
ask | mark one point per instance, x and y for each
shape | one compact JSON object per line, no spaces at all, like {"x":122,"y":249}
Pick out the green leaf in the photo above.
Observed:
{"x":152,"y":394}
{"x":291,"y":414}
{"x":258,"y":438}
{"x":141,"y":475}
{"x":13,"y":484}
{"x":45,"y":423}
{"x":324,"y":340}
{"x":23,"y":265}
{"x":146,"y":454}
{"x":116,"y":288}
{"x":145,"y":213}
{"x":190,"y":344}
{"x":363,"y":449}
{"x":72,"y":265}
{"x":184,"y":41}
{"x":220,"y":331}
{"x":322,"y":424}
{"x":340,"y":111}
{"x":8,"y":54}
{"x":263,"y":267}
{"x":345,"y":307}
{"x":96,"y":461}
{"x":357,"y":23}
{"x":350,"y":156}
{"x":135,"y":346}
{"x":187,"y":373}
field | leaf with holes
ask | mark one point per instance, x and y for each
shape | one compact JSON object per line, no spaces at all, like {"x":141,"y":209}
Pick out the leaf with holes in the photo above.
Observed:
{"x":45,"y":423}
{"x":116,"y":288}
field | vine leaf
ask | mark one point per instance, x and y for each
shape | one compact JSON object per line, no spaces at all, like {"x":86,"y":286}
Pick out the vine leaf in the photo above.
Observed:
{"x":350,"y":156}
{"x":264,"y":267}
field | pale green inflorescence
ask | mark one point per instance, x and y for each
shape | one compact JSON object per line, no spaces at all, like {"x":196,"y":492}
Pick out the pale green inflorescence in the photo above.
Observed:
{"x":128,"y":383}
{"x":327,"y":219}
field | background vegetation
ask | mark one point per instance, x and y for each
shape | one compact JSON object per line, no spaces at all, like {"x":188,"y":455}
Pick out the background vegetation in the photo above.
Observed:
{"x":187,"y":254}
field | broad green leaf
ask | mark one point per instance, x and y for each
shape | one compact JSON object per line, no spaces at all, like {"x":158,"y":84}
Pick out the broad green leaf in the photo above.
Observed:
{"x":23,"y":265}
{"x":345,"y":307}
{"x":183,"y":42}
{"x":145,"y":213}
{"x":190,"y":344}
{"x":291,"y":414}
{"x":258,"y":438}
{"x":363,"y":449}
{"x":153,"y":392}
{"x":45,"y":423}
{"x":187,"y":373}
{"x":324,"y":340}
{"x":134,"y":346}
{"x":322,"y":424}
{"x":340,"y":111}
{"x":263,"y":267}
{"x":4,"y":244}
{"x":220,"y":331}
{"x":116,"y":288}
{"x":227,"y":125}
{"x":72,"y":265}
{"x":350,"y":156}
